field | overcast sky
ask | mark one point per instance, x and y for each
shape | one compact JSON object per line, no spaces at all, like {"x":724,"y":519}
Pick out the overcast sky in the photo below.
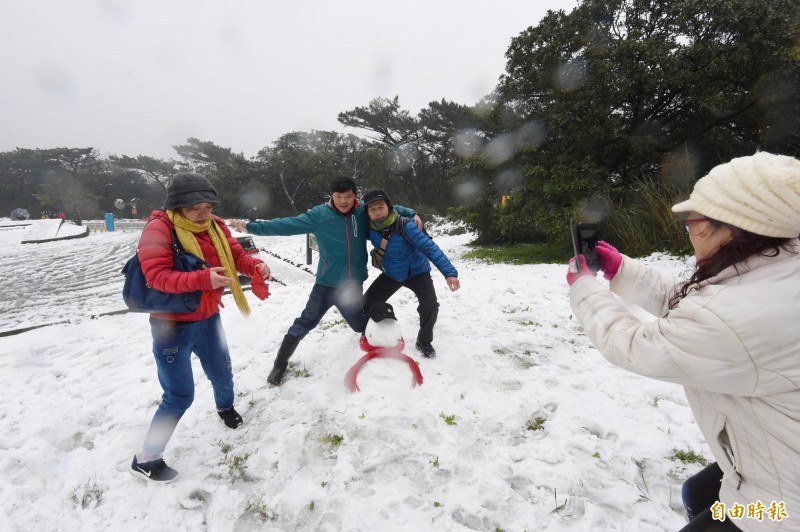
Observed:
{"x":137,"y":77}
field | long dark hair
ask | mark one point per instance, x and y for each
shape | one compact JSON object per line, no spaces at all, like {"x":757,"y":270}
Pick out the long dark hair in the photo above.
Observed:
{"x":741,"y":247}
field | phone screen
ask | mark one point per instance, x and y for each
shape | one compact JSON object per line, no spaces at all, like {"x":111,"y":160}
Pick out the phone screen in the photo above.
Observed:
{"x":584,"y":240}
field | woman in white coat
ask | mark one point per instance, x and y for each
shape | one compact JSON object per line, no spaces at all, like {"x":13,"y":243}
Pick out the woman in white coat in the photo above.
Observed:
{"x":730,"y":335}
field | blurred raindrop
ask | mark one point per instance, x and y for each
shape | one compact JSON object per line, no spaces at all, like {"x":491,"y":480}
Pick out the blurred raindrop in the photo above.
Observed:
{"x":571,"y":75}
{"x":467,"y":143}
{"x":117,"y":10}
{"x":232,"y":37}
{"x":773,"y":91}
{"x":20,"y":214}
{"x":382,"y":71}
{"x":405,"y":155}
{"x":648,"y":132}
{"x":484,"y":107}
{"x":169,"y":55}
{"x":508,"y":180}
{"x":258,"y":199}
{"x":595,"y":209}
{"x":531,"y":135}
{"x":597,"y":40}
{"x":680,"y":166}
{"x":350,"y":294}
{"x":55,"y":80}
{"x":500,"y":149}
{"x":468,"y":191}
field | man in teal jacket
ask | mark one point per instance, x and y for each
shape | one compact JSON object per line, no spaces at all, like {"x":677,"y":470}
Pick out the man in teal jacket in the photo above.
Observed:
{"x":341,"y":228}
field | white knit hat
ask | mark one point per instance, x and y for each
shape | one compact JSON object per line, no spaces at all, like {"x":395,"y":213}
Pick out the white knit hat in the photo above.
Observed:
{"x":759,"y":193}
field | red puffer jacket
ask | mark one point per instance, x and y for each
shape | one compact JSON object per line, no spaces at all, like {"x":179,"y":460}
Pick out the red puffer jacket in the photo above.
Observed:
{"x":155,"y":256}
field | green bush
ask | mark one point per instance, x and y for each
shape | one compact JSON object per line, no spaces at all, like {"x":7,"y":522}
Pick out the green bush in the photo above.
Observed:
{"x":642,"y":222}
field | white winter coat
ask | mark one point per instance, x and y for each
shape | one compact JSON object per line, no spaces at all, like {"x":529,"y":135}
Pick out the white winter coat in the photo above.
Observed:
{"x":734,"y":345}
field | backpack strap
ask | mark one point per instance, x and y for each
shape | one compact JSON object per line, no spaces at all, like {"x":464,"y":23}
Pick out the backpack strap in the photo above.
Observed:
{"x":381,"y":250}
{"x":176,"y":247}
{"x":377,"y":254}
{"x":400,"y":227}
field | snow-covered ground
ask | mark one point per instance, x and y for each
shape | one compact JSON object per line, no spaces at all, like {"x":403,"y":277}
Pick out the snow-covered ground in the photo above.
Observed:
{"x":520,"y":423}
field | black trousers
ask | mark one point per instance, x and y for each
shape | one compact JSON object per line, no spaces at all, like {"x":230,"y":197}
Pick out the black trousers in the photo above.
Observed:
{"x":700,"y":492}
{"x":384,"y":287}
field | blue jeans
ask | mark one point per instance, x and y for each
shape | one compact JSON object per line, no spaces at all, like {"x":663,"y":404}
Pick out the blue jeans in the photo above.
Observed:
{"x":347,"y":299}
{"x":173,"y":344}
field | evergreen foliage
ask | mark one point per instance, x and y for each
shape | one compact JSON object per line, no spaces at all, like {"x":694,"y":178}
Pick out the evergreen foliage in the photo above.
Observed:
{"x":608,"y":113}
{"x":635,"y":91}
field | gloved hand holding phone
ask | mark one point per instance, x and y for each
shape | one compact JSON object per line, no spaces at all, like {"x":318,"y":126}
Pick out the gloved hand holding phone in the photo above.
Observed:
{"x":577,"y":269}
{"x":610,"y":259}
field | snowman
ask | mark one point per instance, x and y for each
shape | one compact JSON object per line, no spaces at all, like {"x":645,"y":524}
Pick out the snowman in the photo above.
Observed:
{"x":382,"y":339}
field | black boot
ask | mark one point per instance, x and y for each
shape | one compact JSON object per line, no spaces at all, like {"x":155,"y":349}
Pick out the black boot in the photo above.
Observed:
{"x":286,"y":350}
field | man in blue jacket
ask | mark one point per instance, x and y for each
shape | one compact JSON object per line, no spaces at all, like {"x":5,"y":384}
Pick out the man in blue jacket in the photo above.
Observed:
{"x":340,"y":227}
{"x":404,"y":253}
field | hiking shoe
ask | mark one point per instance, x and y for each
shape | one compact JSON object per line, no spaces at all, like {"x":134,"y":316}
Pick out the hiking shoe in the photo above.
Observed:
{"x":153,"y":471}
{"x":427,"y":349}
{"x":231,"y":418}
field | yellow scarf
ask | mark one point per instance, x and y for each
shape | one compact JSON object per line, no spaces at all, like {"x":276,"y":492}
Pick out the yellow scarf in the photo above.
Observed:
{"x":186,"y":229}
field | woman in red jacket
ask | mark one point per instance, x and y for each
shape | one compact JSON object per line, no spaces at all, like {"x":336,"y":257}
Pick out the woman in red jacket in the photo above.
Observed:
{"x":187,"y":210}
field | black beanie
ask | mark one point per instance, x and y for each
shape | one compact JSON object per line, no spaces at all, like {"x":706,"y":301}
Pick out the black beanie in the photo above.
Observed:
{"x":377,"y":195}
{"x":187,"y":189}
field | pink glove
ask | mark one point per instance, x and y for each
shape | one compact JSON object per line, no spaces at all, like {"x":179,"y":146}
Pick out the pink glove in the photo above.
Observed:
{"x":573,"y":274}
{"x":610,"y":259}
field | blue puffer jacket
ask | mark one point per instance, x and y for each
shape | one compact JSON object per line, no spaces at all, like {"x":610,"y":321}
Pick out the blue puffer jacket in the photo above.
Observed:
{"x":403,"y":260}
{"x":341,"y":239}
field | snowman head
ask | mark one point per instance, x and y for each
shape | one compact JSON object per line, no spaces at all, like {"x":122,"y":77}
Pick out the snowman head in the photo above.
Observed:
{"x":382,"y":330}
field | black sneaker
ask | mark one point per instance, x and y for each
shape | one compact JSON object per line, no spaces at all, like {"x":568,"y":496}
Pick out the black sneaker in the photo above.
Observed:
{"x":231,"y":418}
{"x":153,"y":471}
{"x":427,"y":350}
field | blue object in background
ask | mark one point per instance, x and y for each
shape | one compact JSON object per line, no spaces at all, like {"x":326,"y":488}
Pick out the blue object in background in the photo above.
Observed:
{"x":109,"y":221}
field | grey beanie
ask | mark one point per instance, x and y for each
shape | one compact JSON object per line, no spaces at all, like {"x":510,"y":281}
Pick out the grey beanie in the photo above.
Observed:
{"x":188,"y":189}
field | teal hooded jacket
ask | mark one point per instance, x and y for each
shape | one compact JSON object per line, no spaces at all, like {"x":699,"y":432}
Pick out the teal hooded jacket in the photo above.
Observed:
{"x":341,"y":239}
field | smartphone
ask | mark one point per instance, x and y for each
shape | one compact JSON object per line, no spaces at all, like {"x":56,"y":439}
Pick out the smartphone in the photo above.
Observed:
{"x":584,"y":240}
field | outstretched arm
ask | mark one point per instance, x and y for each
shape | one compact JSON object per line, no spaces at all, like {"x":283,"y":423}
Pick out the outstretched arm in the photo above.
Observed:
{"x":293,"y":225}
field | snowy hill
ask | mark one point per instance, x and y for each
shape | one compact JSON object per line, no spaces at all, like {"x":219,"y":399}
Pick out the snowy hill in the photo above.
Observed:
{"x":520,"y":424}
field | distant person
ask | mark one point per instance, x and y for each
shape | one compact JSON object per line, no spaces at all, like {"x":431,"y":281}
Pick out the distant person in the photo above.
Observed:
{"x":406,"y":253}
{"x":340,"y":227}
{"x":728,"y":334}
{"x":187,"y":210}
